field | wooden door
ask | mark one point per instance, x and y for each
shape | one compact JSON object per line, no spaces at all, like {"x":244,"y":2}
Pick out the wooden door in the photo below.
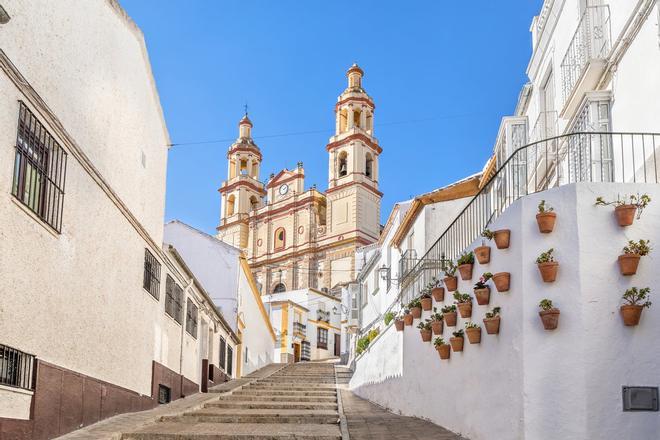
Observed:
{"x":337,"y":345}
{"x":296,"y":352}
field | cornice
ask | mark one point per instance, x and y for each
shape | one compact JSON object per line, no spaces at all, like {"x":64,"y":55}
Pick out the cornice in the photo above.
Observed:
{"x":357,"y":136}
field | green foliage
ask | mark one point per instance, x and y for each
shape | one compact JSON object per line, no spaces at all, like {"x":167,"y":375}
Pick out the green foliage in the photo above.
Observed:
{"x":543,"y":208}
{"x":415,"y":303}
{"x":488,"y":234}
{"x":471,"y":325}
{"x":426,"y":325}
{"x":493,"y":313}
{"x":458,"y":334}
{"x":483,"y":280}
{"x":546,"y":257}
{"x":462,"y":298}
{"x":365,"y":340}
{"x":388,"y":317}
{"x":439,"y":341}
{"x":426,"y":291}
{"x":449,"y":268}
{"x":640,"y":248}
{"x":448,"y":309}
{"x":638,"y":201}
{"x":435,"y":316}
{"x":546,"y":304}
{"x":637,"y":297}
{"x":466,"y":258}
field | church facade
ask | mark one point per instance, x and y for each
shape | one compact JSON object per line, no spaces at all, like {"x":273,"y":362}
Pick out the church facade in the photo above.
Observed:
{"x":297,"y":237}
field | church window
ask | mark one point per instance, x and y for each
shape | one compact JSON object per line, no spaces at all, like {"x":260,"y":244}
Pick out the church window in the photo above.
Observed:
{"x":244,"y":167}
{"x":356,"y":118}
{"x":370,"y":123}
{"x":255,"y":170}
{"x":279,"y":287}
{"x":343,"y":164}
{"x":254,"y":203}
{"x":368,"y":166}
{"x":231,"y":202}
{"x":343,"y":120}
{"x":280,"y":239}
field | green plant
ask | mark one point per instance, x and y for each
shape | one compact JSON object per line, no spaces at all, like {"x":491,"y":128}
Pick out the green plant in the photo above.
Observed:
{"x":493,"y":313}
{"x":640,"y":248}
{"x":637,"y":297}
{"x":426,"y":325}
{"x":488,"y":234}
{"x":448,"y":309}
{"x":365,"y":340}
{"x":388,"y":317}
{"x":449,"y":268}
{"x":415,"y":303}
{"x":543,"y":208}
{"x":638,"y":201}
{"x":471,"y":325}
{"x":435,"y":316}
{"x":462,"y":297}
{"x":439,"y":341}
{"x":425,"y":293}
{"x":466,"y":258}
{"x":546,"y":304}
{"x":458,"y":333}
{"x":546,"y":257}
{"x":483,"y":280}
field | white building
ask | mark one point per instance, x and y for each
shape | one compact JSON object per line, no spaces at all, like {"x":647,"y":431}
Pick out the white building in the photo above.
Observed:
{"x":583,"y":128}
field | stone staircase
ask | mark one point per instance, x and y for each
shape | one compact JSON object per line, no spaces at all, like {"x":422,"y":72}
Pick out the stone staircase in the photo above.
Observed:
{"x":296,"y":402}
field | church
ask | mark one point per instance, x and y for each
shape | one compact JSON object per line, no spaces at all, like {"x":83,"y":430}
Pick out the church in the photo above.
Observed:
{"x":297,"y":237}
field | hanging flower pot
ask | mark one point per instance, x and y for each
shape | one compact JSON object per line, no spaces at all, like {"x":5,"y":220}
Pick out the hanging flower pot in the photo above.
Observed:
{"x":416,"y":312}
{"x":482,"y":296}
{"x":457,"y":340}
{"x":449,"y":315}
{"x":625,"y":214}
{"x":442,"y":348}
{"x":635,"y":301}
{"x":408,"y":319}
{"x":492,"y":321}
{"x":549,"y":315}
{"x":451,"y":283}
{"x":483,"y":254}
{"x":465,"y":309}
{"x":473,"y":332}
{"x":427,"y":303}
{"x":398,"y":323}
{"x":631,"y":315}
{"x":626,"y":208}
{"x":545,"y":218}
{"x":465,"y":263}
{"x":437,"y":325}
{"x":502,"y":281}
{"x":438,"y":294}
{"x":632,"y":252}
{"x":426,"y":335}
{"x":502,"y":238}
{"x":547,"y":266}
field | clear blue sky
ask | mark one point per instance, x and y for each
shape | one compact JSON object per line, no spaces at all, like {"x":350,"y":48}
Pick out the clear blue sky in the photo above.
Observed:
{"x":456,"y":66}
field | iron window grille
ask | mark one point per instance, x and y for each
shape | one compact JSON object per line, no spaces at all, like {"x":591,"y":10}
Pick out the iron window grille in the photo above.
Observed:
{"x":230,"y":360}
{"x":151,"y":282}
{"x":223,"y":351}
{"x":17,"y":369}
{"x":191,"y":318}
{"x":39,"y":170}
{"x":173,"y":299}
{"x":322,"y":339}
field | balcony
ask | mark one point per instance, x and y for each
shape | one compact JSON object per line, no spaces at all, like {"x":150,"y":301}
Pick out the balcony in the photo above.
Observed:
{"x":584,"y":61}
{"x":407,"y":262}
{"x":322,"y":315}
{"x":299,"y":329}
{"x":17,"y":369}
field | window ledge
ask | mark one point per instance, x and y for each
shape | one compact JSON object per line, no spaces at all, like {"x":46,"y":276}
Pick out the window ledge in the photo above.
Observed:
{"x":16,"y":390}
{"x":35,"y":217}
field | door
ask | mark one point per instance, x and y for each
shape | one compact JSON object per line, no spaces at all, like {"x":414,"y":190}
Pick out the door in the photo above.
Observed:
{"x":337,"y":345}
{"x":296,"y":352}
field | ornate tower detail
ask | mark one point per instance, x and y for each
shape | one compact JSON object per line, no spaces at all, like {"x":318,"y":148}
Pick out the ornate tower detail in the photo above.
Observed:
{"x":242,"y":192}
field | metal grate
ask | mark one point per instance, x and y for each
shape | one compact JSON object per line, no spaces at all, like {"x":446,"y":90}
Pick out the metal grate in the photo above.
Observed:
{"x":173,"y":299}
{"x":223,"y":351}
{"x":151,"y":282}
{"x":230,"y":360}
{"x":39,"y":170}
{"x":17,"y":368}
{"x":191,"y":318}
{"x":322,"y":339}
{"x":305,"y":351}
{"x":164,"y":394}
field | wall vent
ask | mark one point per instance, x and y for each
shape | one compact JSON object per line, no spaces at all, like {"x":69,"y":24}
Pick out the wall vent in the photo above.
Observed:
{"x":164,"y":394}
{"x":640,"y":398}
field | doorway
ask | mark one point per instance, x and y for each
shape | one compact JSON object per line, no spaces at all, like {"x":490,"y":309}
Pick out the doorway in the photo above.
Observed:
{"x":296,"y":352}
{"x":337,"y":344}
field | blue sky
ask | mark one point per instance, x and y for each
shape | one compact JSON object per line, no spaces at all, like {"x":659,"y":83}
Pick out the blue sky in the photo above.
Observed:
{"x":442,"y":74}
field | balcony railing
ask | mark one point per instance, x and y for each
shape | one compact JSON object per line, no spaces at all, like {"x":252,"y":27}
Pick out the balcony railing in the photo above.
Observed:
{"x":592,"y":40}
{"x":322,"y":315}
{"x":17,"y":369}
{"x":407,"y":262}
{"x":553,"y":162}
{"x":299,"y":328}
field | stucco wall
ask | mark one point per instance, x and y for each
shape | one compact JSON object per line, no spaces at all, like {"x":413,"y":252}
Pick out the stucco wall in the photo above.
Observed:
{"x":15,"y":403}
{"x":528,"y":383}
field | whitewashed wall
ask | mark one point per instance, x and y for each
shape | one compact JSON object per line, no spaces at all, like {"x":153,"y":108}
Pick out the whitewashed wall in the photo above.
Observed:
{"x":527,"y":383}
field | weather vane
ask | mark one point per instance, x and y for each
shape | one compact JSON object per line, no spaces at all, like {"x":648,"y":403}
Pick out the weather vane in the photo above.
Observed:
{"x":246,"y":108}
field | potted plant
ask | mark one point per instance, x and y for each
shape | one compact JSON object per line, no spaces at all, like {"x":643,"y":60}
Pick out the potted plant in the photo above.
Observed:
{"x":635,"y":300}
{"x":465,"y":263}
{"x":547,"y":266}
{"x":483,"y":252}
{"x":425,"y":330}
{"x":388,"y":317}
{"x":482,"y":290}
{"x":464,"y":304}
{"x":545,"y":218}
{"x":629,"y":260}
{"x":398,"y":322}
{"x":549,"y":314}
{"x":437,"y":292}
{"x":492,"y":321}
{"x":407,"y":316}
{"x":450,"y":280}
{"x":436,"y":322}
{"x":502,"y":281}
{"x":456,"y":340}
{"x":425,"y":299}
{"x":442,"y":347}
{"x":473,"y":332}
{"x":449,"y":315}
{"x":501,"y":236}
{"x":625,"y":208}
{"x":416,"y":308}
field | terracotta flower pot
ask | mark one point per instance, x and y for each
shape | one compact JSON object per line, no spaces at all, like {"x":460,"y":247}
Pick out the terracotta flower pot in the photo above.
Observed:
{"x":546,"y":221}
{"x":436,"y":326}
{"x":502,"y":238}
{"x":625,"y":214}
{"x":628,"y":264}
{"x":631,"y":314}
{"x":408,"y":319}
{"x":466,"y":271}
{"x":456,"y":343}
{"x":443,"y":351}
{"x":438,"y":294}
{"x":473,"y":335}
{"x":482,"y":296}
{"x":483,"y":254}
{"x":548,"y":271}
{"x":449,"y":318}
{"x":550,"y":318}
{"x":426,"y":335}
{"x":492,"y":325}
{"x":502,"y":281}
{"x":416,"y":312}
{"x":398,"y":323}
{"x":451,"y":283}
{"x":427,"y":303}
{"x":465,"y":309}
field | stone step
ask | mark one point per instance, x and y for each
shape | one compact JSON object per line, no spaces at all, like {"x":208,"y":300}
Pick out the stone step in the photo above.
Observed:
{"x":302,"y":386}
{"x":296,"y":380}
{"x":231,"y":431}
{"x":292,"y":394}
{"x":283,"y":398}
{"x":267,"y":404}
{"x":231,"y":415}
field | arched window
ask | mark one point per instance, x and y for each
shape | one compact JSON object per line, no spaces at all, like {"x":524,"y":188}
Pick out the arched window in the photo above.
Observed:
{"x":280,"y":239}
{"x":368,"y":166}
{"x":231,"y":202}
{"x":343,"y":164}
{"x":254,"y":203}
{"x":244,"y":167}
{"x":255,"y":170}
{"x":356,"y":118}
{"x":343,"y":120}
{"x":279,"y":287}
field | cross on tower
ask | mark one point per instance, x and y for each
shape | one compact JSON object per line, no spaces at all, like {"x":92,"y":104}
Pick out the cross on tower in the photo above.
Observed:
{"x":246,"y":109}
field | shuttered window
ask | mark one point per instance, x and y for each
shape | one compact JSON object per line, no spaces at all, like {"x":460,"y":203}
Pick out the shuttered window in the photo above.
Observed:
{"x":173,"y":299}
{"x":223,"y":351}
{"x":151,"y":281}
{"x":191,"y":318}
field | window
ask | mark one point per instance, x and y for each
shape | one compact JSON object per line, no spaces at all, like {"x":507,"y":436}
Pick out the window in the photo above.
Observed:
{"x":279,"y":287}
{"x":173,"y":299}
{"x":246,"y":355}
{"x":191,"y":318}
{"x":343,"y":164}
{"x":254,"y":203}
{"x":231,"y":205}
{"x":280,"y":238}
{"x":151,"y":282}
{"x":223,"y":351}
{"x":244,"y":167}
{"x":230,"y":360}
{"x":365,"y":294}
{"x":368,"y":166}
{"x":16,"y":368}
{"x":322,"y":338}
{"x":39,"y":170}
